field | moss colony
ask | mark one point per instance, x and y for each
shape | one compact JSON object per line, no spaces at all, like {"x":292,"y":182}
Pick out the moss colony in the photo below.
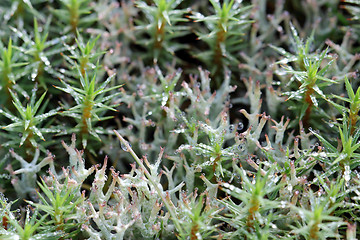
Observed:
{"x":179,"y":119}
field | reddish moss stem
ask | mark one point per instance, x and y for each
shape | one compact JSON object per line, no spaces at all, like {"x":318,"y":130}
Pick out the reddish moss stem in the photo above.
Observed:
{"x":308,"y":100}
{"x":194,"y":230}
{"x":218,"y":54}
{"x":314,"y":231}
{"x":159,"y":35}
{"x":353,"y":120}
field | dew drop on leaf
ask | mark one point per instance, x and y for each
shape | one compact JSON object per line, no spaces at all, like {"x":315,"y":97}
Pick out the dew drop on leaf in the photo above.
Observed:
{"x":124,"y":147}
{"x":241,"y":147}
{"x":347,"y":173}
{"x":231,"y":128}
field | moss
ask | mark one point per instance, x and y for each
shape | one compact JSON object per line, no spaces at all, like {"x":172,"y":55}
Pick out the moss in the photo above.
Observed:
{"x":165,"y":119}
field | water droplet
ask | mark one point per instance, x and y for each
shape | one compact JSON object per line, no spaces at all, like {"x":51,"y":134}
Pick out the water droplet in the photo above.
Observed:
{"x":45,"y":60}
{"x":302,"y":214}
{"x":240,"y":126}
{"x":124,"y":147}
{"x":164,"y":100}
{"x":347,"y":173}
{"x":33,"y":75}
{"x":199,"y":16}
{"x":231,"y":128}
{"x":179,"y":130}
{"x":241,"y":147}
{"x":150,"y":113}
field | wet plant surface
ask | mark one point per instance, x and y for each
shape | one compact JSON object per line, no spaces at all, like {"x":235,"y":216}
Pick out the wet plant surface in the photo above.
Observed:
{"x":177,"y":119}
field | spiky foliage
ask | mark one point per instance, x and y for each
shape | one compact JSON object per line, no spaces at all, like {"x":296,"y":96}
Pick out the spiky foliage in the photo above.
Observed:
{"x":10,"y":71}
{"x":310,"y":77}
{"x":73,"y":15}
{"x":162,"y":26}
{"x":225,"y":29}
{"x":191,"y":152}
{"x":91,"y":103}
{"x":27,"y":123}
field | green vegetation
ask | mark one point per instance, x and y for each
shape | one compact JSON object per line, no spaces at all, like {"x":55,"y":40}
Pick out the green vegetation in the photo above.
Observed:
{"x":177,"y":119}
